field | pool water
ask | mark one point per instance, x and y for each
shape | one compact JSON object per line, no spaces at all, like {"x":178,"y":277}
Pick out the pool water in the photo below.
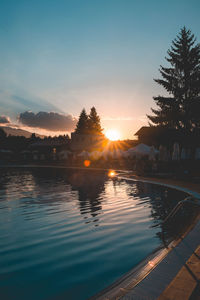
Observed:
{"x":67,"y":234}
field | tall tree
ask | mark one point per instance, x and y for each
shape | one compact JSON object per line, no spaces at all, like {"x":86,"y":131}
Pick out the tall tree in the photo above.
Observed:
{"x":33,"y":137}
{"x":82,"y":125}
{"x":181,"y":109}
{"x":94,"y":123}
{"x":3,"y":134}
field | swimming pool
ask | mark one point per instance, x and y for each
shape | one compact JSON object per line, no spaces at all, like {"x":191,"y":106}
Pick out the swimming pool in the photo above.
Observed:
{"x":67,"y":234}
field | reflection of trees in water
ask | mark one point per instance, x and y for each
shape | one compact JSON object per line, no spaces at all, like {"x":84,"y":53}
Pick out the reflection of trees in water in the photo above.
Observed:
{"x":162,"y":200}
{"x":51,"y":186}
{"x":90,"y":185}
{"x":115,"y":183}
{"x":16,"y":183}
{"x":3,"y":179}
{"x":4,"y":182}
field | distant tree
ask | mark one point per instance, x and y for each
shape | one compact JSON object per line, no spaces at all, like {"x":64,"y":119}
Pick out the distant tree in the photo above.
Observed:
{"x":94,"y":123}
{"x":33,"y":136}
{"x":63,"y":138}
{"x":16,"y":143}
{"x":181,"y":109}
{"x":3,"y":134}
{"x":82,"y":125}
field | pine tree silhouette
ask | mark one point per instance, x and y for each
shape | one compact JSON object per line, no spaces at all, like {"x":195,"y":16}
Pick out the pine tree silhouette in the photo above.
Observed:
{"x":82,"y":125}
{"x":94,"y":124}
{"x":181,"y":109}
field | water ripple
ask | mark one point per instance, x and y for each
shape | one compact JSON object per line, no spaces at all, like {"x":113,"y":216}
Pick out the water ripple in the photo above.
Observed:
{"x":68,"y":234}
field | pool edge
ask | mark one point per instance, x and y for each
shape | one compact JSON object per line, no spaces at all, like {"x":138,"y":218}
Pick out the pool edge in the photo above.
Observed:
{"x":131,"y":279}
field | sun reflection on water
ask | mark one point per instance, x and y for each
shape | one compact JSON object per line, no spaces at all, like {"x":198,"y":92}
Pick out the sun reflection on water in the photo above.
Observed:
{"x":111,"y":173}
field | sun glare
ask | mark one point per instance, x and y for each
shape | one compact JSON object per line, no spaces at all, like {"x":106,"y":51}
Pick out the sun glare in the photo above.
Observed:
{"x":112,"y":134}
{"x":111,"y":173}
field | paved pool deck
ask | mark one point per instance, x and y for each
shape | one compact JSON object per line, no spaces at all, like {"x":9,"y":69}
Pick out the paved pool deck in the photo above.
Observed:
{"x":156,"y":284}
{"x":170,"y":274}
{"x":195,"y":187}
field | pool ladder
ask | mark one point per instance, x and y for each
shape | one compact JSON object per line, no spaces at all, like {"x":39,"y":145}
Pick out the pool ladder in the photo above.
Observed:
{"x":189,"y":199}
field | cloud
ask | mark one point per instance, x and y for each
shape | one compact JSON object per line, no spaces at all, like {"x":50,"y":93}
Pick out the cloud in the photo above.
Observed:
{"x":51,"y":121}
{"x":4,"y":119}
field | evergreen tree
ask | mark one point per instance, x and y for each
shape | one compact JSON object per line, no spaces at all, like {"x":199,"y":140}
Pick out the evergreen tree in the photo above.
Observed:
{"x":3,"y":135}
{"x":94,"y":124}
{"x":33,"y":137}
{"x":181,"y":109}
{"x":82,"y":125}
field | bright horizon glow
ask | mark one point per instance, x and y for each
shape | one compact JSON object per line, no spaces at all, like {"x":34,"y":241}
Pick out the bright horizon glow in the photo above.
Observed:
{"x":113,"y":134}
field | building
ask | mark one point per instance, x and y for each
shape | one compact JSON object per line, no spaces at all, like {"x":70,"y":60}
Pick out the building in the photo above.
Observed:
{"x":156,"y":135}
{"x":48,"y":149}
{"x":89,"y":142}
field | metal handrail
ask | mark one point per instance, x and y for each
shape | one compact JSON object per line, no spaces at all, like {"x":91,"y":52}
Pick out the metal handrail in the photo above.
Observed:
{"x":174,"y":211}
{"x":177,"y":206}
{"x":180,"y":204}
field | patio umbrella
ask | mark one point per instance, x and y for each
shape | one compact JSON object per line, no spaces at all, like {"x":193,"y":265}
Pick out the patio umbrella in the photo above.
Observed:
{"x":95,"y":155}
{"x":84,"y":154}
{"x":126,"y":154}
{"x":106,"y":154}
{"x":139,"y":150}
{"x":163,"y":154}
{"x":197,"y":153}
{"x":176,"y":152}
{"x":183,"y":154}
{"x":64,"y":154}
{"x":116,"y":154}
{"x":152,"y":154}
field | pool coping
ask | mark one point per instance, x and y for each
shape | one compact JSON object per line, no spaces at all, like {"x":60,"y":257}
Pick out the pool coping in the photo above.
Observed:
{"x":122,"y":288}
{"x":126,"y":284}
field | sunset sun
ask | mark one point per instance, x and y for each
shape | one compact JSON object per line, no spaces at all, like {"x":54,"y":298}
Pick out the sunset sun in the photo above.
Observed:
{"x":113,"y":134}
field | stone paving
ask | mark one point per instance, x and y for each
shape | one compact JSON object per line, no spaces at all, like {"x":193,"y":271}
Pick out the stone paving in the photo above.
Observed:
{"x":186,"y":281}
{"x":161,"y":277}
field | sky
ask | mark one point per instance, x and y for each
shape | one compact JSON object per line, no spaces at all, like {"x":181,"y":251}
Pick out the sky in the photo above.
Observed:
{"x":58,"y":57}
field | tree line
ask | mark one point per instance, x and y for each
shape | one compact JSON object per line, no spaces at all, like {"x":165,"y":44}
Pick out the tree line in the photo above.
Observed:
{"x":87,"y":124}
{"x":19,"y":143}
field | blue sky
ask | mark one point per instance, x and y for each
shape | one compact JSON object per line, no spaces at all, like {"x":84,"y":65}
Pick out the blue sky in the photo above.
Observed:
{"x":62,"y":56}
